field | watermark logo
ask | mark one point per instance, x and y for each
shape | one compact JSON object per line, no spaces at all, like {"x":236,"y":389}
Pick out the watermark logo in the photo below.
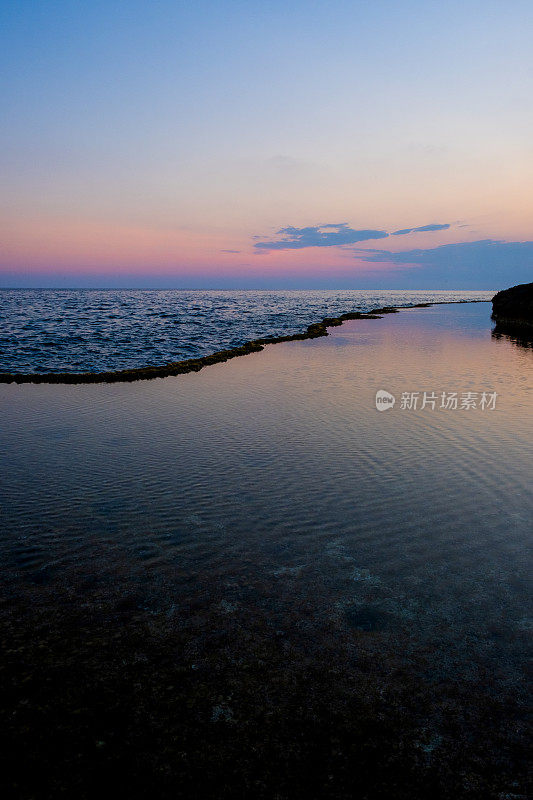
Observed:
{"x":384,"y":400}
{"x":438,"y":401}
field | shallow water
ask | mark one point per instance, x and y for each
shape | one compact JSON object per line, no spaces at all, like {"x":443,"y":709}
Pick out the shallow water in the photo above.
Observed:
{"x":267,"y":500}
{"x":78,"y":330}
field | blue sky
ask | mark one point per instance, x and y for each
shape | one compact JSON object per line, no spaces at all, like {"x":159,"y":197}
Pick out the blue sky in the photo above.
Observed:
{"x":172,"y":141}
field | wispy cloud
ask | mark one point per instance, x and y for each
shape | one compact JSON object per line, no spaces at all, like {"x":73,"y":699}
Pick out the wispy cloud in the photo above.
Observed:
{"x":230,"y":251}
{"x":422,"y":229}
{"x":336,"y":234}
{"x":327,"y":235}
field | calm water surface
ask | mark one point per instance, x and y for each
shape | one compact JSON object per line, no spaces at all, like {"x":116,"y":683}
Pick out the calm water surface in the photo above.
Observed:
{"x":267,"y":500}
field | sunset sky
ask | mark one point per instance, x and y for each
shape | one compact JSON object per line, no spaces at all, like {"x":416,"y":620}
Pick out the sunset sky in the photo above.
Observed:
{"x":360,"y":144}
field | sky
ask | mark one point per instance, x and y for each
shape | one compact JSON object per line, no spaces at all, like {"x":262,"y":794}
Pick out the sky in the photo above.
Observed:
{"x":340,"y":144}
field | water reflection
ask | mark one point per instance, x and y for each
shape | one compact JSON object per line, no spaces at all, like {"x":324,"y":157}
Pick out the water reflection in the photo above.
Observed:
{"x":252,"y":565}
{"x":520,"y":335}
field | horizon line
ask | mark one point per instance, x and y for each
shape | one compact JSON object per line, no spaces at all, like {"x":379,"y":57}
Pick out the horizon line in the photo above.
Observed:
{"x":244,"y":289}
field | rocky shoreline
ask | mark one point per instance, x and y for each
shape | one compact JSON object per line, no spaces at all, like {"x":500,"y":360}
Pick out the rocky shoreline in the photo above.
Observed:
{"x":313,"y":331}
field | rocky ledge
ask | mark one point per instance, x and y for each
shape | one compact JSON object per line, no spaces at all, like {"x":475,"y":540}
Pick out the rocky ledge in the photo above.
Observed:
{"x":514,"y":306}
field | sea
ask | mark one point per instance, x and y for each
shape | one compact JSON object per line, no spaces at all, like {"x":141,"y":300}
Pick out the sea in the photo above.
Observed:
{"x":91,"y":330}
{"x":250,"y":581}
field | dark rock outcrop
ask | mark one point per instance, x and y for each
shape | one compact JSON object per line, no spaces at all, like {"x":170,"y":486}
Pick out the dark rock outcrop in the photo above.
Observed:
{"x":514,"y":307}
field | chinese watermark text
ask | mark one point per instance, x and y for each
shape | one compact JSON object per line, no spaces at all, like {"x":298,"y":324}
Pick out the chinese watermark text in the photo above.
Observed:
{"x":438,"y":401}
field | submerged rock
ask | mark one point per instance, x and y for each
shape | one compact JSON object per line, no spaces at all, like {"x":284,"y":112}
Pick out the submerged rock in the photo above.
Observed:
{"x":514,"y":306}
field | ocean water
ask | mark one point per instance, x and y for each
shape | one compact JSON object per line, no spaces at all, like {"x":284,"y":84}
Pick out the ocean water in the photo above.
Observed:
{"x":48,"y":330}
{"x":252,"y":565}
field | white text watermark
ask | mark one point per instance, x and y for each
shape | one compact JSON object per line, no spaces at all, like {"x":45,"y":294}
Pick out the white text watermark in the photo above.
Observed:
{"x":437,"y":401}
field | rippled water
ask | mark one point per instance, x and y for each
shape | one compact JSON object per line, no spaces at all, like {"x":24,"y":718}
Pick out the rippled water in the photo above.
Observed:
{"x":270,"y":535}
{"x":280,"y":462}
{"x":91,"y":331}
